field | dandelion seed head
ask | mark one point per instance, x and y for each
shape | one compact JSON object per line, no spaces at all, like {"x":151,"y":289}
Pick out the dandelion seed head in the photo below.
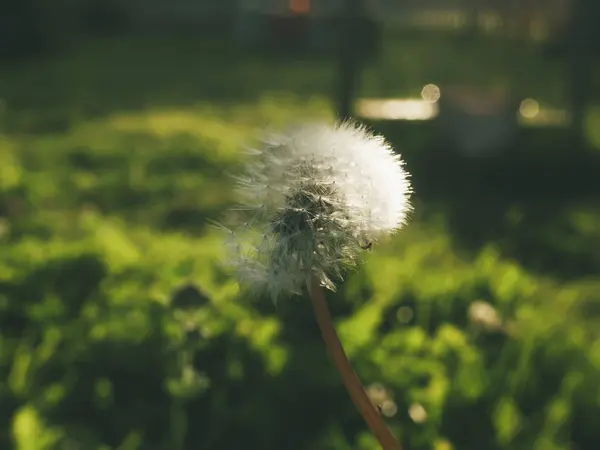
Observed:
{"x":309,"y":200}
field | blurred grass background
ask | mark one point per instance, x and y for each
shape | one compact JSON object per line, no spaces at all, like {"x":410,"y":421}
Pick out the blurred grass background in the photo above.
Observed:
{"x":476,"y":328}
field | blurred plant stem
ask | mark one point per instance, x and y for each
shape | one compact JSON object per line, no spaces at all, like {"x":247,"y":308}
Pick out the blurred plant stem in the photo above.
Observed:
{"x":349,"y":61}
{"x":349,"y":377}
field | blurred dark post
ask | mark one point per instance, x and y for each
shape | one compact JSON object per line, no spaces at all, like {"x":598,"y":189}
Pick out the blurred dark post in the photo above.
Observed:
{"x":471,"y":8}
{"x":349,"y":57}
{"x":580,"y":65}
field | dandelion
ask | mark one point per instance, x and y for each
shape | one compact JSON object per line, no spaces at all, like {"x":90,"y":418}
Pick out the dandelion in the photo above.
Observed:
{"x":310,"y":202}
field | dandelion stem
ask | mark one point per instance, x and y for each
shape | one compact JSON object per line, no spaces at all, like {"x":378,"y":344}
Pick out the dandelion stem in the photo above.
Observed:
{"x":349,"y":377}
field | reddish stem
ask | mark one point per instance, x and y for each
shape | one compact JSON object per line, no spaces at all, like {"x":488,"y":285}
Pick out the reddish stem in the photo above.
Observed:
{"x":344,"y":368}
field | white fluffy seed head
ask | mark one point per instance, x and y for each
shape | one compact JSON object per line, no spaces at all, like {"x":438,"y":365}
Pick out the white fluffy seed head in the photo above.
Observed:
{"x":311,"y":199}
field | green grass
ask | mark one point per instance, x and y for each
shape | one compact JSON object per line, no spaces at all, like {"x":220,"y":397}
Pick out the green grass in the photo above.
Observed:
{"x":113,"y":158}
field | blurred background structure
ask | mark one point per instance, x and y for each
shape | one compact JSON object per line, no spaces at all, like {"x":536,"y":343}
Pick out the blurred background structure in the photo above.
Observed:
{"x":477,"y":327}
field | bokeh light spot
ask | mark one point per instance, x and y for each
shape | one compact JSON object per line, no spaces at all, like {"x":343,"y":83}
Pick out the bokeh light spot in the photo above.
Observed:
{"x":430,"y":93}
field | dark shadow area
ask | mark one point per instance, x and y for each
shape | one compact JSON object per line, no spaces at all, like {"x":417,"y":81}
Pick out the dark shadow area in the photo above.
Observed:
{"x":519,"y":199}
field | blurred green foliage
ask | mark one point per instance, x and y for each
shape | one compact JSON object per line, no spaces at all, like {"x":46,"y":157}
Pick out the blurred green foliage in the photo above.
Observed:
{"x":119,"y":330}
